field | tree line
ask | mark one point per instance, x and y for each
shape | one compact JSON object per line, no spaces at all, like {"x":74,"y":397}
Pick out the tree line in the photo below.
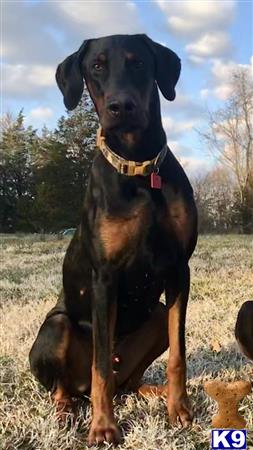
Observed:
{"x":225,"y":195}
{"x":43,"y":176}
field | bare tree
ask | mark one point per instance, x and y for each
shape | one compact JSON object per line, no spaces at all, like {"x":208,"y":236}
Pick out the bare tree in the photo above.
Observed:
{"x":216,"y":201}
{"x":229,"y":136}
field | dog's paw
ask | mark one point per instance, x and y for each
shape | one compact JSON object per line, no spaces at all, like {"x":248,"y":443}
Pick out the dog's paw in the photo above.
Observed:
{"x":65,"y":410}
{"x":180,"y":409}
{"x":104,"y":430}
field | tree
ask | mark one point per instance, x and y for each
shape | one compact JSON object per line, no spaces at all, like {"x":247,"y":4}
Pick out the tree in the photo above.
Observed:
{"x":78,"y":132}
{"x":63,"y":165}
{"x":216,"y":200}
{"x":43,"y":177}
{"x":17,"y":147}
{"x":229,"y":136}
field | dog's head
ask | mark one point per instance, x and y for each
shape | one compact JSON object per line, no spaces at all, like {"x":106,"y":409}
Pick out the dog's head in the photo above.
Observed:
{"x":121,"y":73}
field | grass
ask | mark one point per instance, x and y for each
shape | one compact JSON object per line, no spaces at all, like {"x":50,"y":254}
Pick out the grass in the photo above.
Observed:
{"x":30,"y":274}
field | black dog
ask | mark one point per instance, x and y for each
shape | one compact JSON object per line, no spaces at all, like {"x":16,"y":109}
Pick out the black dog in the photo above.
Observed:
{"x":244,"y":328}
{"x":138,"y":230}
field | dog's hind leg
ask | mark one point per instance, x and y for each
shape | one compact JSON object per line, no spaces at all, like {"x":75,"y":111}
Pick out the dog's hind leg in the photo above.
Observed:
{"x":60,"y":359}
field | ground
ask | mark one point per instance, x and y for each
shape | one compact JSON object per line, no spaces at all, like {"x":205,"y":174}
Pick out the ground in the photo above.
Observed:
{"x":30,"y":274}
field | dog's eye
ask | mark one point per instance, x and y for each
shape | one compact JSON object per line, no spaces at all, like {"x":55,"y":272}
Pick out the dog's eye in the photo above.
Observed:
{"x":97,"y":67}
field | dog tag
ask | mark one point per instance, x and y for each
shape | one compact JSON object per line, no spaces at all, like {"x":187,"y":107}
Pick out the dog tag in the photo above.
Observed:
{"x":156,"y":181}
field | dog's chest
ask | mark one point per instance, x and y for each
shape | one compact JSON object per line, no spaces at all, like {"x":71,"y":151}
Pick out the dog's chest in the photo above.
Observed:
{"x":156,"y":230}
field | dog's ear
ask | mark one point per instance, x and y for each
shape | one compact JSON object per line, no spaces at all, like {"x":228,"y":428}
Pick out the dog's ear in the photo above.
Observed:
{"x":69,"y":77}
{"x":168,"y":67}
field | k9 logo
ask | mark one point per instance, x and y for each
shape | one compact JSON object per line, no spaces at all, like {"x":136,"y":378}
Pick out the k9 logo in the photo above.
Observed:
{"x":229,"y":439}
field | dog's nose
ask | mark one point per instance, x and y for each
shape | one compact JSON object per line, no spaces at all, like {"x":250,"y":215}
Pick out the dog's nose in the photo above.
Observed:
{"x":117,"y":107}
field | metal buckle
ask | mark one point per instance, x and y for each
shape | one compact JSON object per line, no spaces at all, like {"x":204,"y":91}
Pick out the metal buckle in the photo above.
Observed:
{"x":124,"y":169}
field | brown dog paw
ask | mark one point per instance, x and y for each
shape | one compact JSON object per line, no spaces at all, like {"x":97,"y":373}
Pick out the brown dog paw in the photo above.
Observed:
{"x":64,"y":408}
{"x":180,"y":408}
{"x":104,"y":430}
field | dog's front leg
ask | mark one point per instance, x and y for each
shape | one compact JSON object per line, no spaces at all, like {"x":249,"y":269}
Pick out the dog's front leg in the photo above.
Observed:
{"x":103,"y":426}
{"x":177,"y":298}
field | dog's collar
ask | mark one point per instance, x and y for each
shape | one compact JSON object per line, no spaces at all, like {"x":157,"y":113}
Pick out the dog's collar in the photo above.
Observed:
{"x":130,"y":168}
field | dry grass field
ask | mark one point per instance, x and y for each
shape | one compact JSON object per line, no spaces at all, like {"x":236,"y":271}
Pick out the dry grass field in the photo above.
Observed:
{"x":222,"y":279}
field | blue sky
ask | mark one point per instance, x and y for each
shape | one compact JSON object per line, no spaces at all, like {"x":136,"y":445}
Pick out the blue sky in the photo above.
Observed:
{"x":211,"y":37}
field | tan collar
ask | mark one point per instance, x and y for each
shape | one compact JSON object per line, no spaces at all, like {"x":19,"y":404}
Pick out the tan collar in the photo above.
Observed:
{"x":130,"y":168}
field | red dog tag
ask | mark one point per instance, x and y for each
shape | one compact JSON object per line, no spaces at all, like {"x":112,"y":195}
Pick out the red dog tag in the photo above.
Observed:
{"x":156,"y":181}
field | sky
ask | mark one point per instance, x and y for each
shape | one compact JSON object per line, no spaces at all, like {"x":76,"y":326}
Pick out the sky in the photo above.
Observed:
{"x":212,"y":38}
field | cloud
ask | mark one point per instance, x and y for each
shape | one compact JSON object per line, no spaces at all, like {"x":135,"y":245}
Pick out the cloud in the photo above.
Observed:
{"x":220,"y":84}
{"x":209,"y":45}
{"x":222,"y":70}
{"x":40,"y":113}
{"x":39,"y":116}
{"x":185,"y":105}
{"x":175,"y":128}
{"x":223,"y":91}
{"x":44,"y":32}
{"x":38,"y":35}
{"x":27,"y":32}
{"x":204,"y":23}
{"x":194,"y":166}
{"x":95,"y":19}
{"x":195,"y":60}
{"x":179,"y":149}
{"x":25,"y":80}
{"x":204,"y":93}
{"x":191,"y":18}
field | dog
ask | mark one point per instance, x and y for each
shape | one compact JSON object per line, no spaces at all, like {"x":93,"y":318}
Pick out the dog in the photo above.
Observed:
{"x":244,"y":328}
{"x":137,"y":233}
